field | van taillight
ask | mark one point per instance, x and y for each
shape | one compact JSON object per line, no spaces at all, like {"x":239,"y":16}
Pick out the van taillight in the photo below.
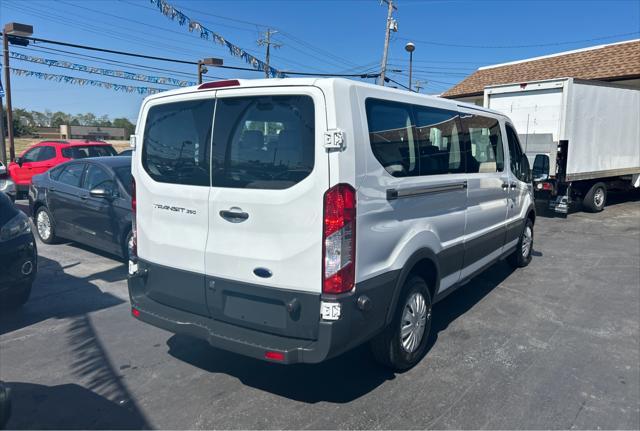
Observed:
{"x":339,"y":239}
{"x":133,"y":252}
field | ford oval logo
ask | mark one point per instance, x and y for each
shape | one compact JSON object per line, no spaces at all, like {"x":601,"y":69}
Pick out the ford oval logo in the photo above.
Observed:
{"x":262,"y":272}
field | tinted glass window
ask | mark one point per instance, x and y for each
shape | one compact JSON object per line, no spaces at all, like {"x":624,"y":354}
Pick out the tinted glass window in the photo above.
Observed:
{"x":95,"y":177}
{"x":55,"y":172}
{"x":392,"y":137}
{"x":485,"y":153}
{"x":124,"y":175}
{"x":80,"y":152}
{"x":46,"y":153}
{"x":519,"y":164}
{"x":438,"y":136}
{"x":263,"y":142}
{"x":176,"y":143}
{"x":32,"y":155}
{"x":71,"y":174}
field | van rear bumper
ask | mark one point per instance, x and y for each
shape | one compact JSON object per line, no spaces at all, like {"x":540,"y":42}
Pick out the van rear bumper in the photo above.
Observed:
{"x":354,"y":327}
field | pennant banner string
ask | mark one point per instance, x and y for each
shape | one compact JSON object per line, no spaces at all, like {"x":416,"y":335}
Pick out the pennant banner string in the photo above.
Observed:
{"x":101,"y":71}
{"x":174,"y":14}
{"x":83,"y":81}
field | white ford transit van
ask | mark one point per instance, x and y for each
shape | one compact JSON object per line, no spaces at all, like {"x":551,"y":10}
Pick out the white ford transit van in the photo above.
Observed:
{"x":293,"y":219}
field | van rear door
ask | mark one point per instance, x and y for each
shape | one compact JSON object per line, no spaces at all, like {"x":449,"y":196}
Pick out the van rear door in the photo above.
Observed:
{"x":269,"y":175}
{"x":172,"y":174}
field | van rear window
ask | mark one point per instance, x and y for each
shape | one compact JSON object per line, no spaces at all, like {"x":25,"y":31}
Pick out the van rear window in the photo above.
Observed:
{"x":263,"y":142}
{"x":176,"y":142}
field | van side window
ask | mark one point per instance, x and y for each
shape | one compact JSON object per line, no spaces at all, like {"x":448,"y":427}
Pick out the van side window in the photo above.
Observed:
{"x":263,"y":142}
{"x":392,"y":137}
{"x":485,"y":153}
{"x":176,"y":142}
{"x":438,"y":135}
{"x":519,"y":166}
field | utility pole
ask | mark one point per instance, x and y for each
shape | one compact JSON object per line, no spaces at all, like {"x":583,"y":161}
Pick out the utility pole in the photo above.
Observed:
{"x":15,"y":31}
{"x":391,"y":25}
{"x":266,"y":41}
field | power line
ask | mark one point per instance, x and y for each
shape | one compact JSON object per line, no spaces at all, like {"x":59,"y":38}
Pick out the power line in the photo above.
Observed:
{"x":71,"y":54}
{"x":172,"y":60}
{"x":537,"y":45}
{"x":107,"y":31}
{"x":83,"y":81}
{"x":282,"y":32}
{"x":100,"y":71}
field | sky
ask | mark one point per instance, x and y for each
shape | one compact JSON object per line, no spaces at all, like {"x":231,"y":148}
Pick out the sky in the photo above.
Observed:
{"x":453,"y":38}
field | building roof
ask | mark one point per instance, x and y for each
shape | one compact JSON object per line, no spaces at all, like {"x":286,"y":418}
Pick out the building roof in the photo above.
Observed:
{"x":603,"y":62}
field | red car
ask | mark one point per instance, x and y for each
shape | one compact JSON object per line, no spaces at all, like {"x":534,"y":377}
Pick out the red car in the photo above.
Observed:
{"x":46,"y":154}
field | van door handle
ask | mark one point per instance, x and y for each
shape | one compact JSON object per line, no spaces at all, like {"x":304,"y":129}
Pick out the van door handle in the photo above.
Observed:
{"x":513,"y":186}
{"x":234,"y":215}
{"x":505,"y":186}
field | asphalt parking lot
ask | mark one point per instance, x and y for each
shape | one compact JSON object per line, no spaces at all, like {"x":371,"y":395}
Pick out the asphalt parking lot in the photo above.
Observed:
{"x":554,"y":345}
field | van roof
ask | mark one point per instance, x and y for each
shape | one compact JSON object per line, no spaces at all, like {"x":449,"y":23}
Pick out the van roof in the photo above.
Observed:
{"x":318,"y":82}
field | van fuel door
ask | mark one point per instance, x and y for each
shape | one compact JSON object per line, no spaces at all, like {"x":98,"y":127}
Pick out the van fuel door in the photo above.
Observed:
{"x":334,"y":140}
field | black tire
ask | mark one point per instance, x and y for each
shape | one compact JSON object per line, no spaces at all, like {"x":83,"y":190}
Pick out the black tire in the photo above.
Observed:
{"x":596,"y":198}
{"x":16,"y":299}
{"x":51,"y":239}
{"x":387,"y":347}
{"x":522,"y":255}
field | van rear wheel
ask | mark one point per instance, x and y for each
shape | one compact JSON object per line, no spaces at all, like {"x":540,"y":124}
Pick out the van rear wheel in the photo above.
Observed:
{"x":404,"y":342}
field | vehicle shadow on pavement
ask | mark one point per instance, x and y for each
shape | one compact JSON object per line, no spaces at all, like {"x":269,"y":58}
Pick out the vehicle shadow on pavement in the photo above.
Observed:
{"x":102,"y":402}
{"x":458,"y":303}
{"x":57,"y":294}
{"x":339,"y":380}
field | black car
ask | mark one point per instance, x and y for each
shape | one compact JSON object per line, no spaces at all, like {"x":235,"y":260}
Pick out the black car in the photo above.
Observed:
{"x":18,"y":254}
{"x":88,"y":201}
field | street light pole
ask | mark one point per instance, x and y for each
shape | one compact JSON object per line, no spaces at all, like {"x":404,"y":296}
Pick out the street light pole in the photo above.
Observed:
{"x":16,"y":30}
{"x":199,"y":72}
{"x":410,"y":47}
{"x":208,"y":62}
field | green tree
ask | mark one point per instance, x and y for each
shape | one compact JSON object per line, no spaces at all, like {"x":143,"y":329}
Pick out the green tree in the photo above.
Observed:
{"x":129,"y":127}
{"x":59,"y":118}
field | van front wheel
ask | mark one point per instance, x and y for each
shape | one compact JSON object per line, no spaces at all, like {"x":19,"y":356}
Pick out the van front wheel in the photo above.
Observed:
{"x":404,"y":342}
{"x":522,"y":254}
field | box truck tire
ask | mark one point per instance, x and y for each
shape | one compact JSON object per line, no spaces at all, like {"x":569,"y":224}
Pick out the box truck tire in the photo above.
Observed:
{"x":596,"y":198}
{"x":404,"y":342}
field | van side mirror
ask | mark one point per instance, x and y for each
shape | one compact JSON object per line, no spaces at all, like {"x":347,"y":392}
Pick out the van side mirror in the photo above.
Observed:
{"x":524,"y":162}
{"x":19,"y":161}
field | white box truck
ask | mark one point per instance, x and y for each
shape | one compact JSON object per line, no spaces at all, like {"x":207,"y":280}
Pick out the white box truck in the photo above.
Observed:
{"x":583,"y":137}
